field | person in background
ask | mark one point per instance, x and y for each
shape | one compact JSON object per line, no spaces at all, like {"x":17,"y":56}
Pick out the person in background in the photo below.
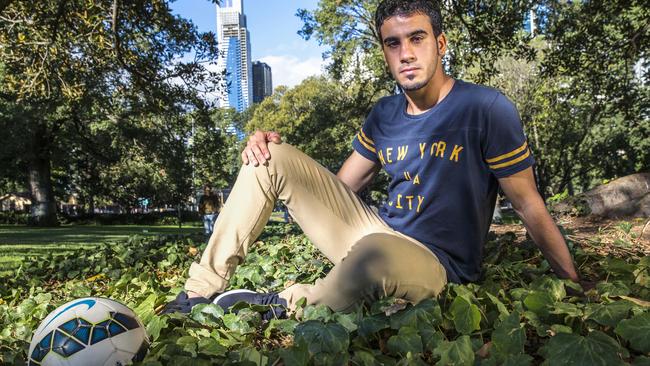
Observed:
{"x":209,"y":205}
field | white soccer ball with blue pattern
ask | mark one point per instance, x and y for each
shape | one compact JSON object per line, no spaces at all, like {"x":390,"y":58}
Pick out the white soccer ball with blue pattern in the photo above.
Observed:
{"x":89,"y":331}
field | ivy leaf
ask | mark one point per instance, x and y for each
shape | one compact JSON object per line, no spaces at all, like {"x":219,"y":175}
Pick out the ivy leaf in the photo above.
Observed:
{"x":539,"y":302}
{"x":407,"y":340}
{"x":458,"y":352}
{"x":503,"y":311}
{"x":636,"y":331}
{"x":425,"y":314}
{"x":465,"y":315}
{"x":298,"y":355}
{"x":187,"y":344}
{"x":595,"y":349}
{"x":329,"y":338}
{"x":206,"y":313}
{"x":283,"y":325}
{"x":641,"y":361}
{"x":509,"y":337}
{"x":155,"y":325}
{"x":211,"y":347}
{"x":373,"y":324}
{"x":608,"y":314}
{"x":317,"y":312}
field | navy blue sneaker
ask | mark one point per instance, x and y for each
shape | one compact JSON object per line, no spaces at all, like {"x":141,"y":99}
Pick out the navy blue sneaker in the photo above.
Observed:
{"x":278,"y":306}
{"x":182,"y":304}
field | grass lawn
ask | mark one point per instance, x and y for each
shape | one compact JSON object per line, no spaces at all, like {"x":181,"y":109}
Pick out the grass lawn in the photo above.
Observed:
{"x":16,"y":242}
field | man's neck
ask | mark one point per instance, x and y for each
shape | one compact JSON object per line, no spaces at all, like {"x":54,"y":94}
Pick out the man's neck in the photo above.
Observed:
{"x":421,"y":100}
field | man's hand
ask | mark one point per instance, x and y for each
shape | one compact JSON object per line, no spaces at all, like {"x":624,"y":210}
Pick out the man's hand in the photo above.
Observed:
{"x":256,"y":150}
{"x":521,"y":191}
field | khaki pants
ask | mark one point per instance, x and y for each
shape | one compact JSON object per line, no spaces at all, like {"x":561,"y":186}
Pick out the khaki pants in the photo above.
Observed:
{"x":370,"y":259}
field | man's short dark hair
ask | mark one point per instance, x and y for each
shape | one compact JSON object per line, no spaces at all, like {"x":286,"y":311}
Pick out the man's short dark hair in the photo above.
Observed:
{"x":391,"y":8}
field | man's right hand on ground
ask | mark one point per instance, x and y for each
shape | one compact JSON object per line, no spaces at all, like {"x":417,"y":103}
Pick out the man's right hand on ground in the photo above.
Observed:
{"x":256,"y":150}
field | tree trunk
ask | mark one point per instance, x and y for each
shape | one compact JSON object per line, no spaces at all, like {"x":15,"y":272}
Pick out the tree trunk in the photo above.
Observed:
{"x":43,"y":209}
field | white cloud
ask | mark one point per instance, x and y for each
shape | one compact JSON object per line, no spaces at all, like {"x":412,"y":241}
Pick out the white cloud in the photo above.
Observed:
{"x":290,"y":70}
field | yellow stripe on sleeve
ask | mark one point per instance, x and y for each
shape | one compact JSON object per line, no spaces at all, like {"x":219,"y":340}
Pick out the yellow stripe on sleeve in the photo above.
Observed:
{"x":512,"y":153}
{"x":511,"y":162}
{"x":365,"y":144}
{"x":363,"y":136}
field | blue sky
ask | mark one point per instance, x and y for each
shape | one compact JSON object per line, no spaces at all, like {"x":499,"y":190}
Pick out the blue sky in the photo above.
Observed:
{"x":273,"y":28}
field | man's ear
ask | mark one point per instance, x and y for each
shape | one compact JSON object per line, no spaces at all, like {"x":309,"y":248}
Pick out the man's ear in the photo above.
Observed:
{"x":441,"y":44}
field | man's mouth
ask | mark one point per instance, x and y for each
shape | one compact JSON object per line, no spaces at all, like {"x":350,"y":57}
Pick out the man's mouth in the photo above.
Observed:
{"x":408,"y":70}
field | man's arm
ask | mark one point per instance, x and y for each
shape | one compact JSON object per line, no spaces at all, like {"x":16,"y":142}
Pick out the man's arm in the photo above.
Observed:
{"x":357,"y":171}
{"x":521,"y":191}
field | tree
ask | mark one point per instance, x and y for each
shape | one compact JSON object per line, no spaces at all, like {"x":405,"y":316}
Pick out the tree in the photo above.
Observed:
{"x":317,"y":107}
{"x":70,"y":65}
{"x":580,"y":81}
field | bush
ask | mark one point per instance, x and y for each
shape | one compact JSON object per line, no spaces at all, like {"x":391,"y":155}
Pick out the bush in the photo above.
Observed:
{"x":14,"y":218}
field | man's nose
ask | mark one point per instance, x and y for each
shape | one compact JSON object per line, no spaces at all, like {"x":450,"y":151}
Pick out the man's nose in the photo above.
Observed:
{"x":406,"y":53}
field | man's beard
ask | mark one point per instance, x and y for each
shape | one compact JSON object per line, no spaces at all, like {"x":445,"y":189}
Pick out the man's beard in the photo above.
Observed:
{"x":414,"y":87}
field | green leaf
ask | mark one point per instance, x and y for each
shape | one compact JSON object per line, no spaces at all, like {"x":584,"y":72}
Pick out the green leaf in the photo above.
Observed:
{"x":609,"y":314}
{"x":503,"y":311}
{"x":595,"y":349}
{"x":317,"y":312}
{"x":509,"y":337}
{"x":641,"y":361}
{"x":373,"y":324}
{"x":458,"y":352}
{"x":155,"y":325}
{"x":427,"y":313}
{"x":405,"y":341}
{"x":636,"y":331}
{"x":298,"y":355}
{"x":210,"y":347}
{"x":568,"y":309}
{"x":236,"y":324}
{"x":539,"y":302}
{"x":188,"y":344}
{"x":364,"y":358}
{"x":346,"y":320}
{"x":206,"y":313}
{"x":319,"y":337}
{"x":285,"y":326}
{"x":465,"y":315}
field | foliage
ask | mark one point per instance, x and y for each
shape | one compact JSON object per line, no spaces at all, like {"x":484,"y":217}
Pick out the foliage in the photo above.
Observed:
{"x":580,"y":81}
{"x":316,"y":107}
{"x":517,"y":314}
{"x":94,"y":98}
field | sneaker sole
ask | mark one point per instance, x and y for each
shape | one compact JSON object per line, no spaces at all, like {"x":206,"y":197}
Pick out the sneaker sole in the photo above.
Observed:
{"x":231,"y":292}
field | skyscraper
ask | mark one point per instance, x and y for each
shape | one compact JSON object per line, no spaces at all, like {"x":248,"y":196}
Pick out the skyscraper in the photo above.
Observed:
{"x":262,"y":81}
{"x":234,"y":42}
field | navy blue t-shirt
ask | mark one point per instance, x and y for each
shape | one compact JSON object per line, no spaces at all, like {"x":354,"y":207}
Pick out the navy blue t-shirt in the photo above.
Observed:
{"x":443,"y":167}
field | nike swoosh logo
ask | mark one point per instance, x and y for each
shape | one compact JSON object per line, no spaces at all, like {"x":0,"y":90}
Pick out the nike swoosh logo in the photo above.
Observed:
{"x":88,"y":302}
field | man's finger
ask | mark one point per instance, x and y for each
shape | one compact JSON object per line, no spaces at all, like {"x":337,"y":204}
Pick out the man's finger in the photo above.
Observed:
{"x":259,"y":154}
{"x":274,"y":137}
{"x":251,"y":157}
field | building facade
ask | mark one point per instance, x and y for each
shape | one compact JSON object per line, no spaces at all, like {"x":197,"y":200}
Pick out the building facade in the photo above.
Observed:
{"x":262,"y":81}
{"x":235,"y":55}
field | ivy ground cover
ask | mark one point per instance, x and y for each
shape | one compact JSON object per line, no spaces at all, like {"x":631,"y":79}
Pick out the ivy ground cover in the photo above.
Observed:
{"x":518,"y":314}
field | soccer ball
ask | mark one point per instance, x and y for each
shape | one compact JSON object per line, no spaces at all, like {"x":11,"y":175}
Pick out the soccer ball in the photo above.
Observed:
{"x":89,"y":331}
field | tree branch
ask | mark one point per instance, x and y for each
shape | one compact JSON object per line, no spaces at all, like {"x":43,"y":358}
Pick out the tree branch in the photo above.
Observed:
{"x":4,"y":4}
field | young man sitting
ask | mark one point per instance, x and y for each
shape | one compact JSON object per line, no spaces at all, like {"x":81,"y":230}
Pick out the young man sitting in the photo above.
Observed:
{"x":447,"y":145}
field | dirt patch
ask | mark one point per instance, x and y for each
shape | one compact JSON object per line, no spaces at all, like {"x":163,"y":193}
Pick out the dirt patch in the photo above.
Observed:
{"x":607,"y":237}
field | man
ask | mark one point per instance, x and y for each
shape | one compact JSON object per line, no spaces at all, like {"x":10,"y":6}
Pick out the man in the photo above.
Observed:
{"x":447,"y":145}
{"x":209,"y":205}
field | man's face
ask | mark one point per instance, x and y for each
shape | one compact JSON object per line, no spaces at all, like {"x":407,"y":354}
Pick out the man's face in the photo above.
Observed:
{"x":411,"y":50}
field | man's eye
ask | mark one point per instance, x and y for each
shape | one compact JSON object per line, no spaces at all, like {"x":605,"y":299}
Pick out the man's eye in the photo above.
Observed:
{"x":416,"y":39}
{"x":392,"y":44}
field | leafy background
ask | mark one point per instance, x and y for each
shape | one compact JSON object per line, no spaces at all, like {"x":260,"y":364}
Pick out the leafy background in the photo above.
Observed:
{"x":518,"y":314}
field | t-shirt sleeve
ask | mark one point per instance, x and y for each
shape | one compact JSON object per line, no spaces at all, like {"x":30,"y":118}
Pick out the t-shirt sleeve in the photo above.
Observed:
{"x":363,"y":142}
{"x":506,"y":149}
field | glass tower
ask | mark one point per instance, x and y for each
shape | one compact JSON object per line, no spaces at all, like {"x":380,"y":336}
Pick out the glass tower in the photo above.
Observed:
{"x":235,"y":57}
